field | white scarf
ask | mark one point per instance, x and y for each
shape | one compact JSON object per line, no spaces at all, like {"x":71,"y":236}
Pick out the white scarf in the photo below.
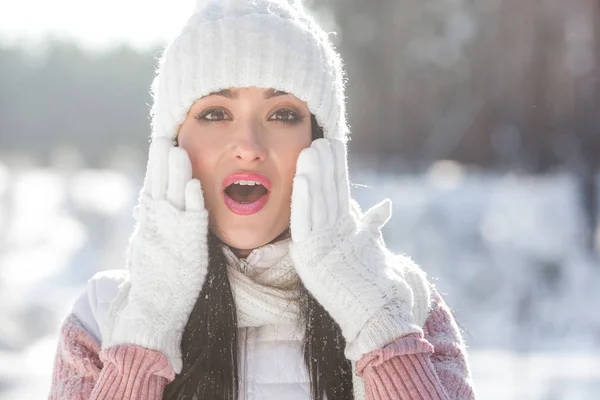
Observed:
{"x":265,"y":290}
{"x":264,"y":285}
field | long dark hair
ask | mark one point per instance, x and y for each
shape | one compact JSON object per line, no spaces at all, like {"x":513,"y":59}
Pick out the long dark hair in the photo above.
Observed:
{"x":210,"y":349}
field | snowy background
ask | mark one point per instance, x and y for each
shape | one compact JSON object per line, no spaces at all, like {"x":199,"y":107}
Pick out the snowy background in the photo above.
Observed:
{"x":509,"y":90}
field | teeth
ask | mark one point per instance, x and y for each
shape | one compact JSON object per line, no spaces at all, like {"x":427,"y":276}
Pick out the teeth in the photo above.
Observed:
{"x":246,"y":183}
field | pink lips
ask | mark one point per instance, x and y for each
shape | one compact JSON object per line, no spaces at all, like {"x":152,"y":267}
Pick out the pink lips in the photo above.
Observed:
{"x":246,"y":208}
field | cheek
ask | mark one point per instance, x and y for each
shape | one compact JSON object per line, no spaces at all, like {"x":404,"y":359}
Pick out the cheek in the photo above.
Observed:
{"x":289,"y":158}
{"x":292,"y":159}
{"x":302,"y":143}
{"x":199,"y":150}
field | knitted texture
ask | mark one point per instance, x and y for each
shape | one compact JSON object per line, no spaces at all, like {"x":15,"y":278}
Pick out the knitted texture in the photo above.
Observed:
{"x":342,"y":259}
{"x":268,"y":298}
{"x":83,"y":372}
{"x":168,"y":259}
{"x":362,"y":285}
{"x":241,"y":43}
{"x":404,"y":369}
{"x":450,"y":355}
{"x":77,"y":363}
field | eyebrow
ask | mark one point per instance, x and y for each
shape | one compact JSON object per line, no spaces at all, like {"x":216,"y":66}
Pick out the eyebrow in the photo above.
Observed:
{"x":268,"y":94}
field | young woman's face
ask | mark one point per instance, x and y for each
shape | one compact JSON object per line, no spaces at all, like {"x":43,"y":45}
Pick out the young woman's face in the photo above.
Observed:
{"x":243,"y":144}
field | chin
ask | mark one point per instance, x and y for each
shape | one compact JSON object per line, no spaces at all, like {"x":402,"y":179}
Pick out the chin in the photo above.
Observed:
{"x":245,"y":238}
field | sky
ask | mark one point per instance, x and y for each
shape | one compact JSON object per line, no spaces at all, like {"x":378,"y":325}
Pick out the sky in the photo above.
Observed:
{"x":95,"y":24}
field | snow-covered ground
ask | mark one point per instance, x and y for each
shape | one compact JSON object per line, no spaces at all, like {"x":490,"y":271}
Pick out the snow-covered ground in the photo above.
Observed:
{"x":505,"y":250}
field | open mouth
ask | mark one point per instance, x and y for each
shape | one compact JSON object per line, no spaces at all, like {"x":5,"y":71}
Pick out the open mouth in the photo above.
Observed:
{"x":246,"y":191}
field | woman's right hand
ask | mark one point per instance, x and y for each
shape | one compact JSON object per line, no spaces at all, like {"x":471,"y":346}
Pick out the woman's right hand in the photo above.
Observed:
{"x":167,"y":258}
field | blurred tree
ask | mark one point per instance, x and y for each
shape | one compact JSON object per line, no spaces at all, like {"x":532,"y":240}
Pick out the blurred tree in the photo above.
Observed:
{"x":66,"y":96}
{"x":501,"y":84}
{"x":588,"y":125}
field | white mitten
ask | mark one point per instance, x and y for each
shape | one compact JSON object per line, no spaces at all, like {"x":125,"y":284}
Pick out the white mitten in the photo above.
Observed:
{"x":342,"y":260}
{"x":167,"y":258}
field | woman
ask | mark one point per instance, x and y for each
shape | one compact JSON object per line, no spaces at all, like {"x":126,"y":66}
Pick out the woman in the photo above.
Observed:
{"x":251,"y":273}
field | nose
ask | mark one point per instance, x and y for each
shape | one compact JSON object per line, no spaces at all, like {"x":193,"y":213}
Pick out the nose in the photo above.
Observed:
{"x":248,"y":145}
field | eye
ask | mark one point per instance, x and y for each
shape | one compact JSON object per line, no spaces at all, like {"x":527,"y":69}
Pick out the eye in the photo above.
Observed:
{"x":286,"y":116}
{"x":213,"y":115}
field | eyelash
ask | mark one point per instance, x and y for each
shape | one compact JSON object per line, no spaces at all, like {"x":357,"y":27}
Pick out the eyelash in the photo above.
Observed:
{"x":297,"y":118}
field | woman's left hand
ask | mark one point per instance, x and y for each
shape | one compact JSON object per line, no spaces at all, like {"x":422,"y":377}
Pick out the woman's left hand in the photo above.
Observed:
{"x":341,"y":258}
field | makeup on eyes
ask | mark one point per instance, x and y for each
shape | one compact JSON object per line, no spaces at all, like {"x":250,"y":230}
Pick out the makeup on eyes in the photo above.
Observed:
{"x":296,"y":119}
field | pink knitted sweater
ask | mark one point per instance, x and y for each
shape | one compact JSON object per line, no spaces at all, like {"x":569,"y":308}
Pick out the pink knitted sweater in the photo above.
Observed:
{"x":428,"y":366}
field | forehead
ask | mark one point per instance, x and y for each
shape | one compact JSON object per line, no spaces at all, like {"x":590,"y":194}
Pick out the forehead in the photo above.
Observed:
{"x":234,"y":93}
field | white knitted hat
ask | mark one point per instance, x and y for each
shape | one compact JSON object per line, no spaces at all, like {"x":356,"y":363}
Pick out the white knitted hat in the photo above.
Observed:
{"x":242,"y":43}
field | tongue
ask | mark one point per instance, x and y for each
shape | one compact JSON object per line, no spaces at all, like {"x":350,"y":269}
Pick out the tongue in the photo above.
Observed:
{"x":245,"y":193}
